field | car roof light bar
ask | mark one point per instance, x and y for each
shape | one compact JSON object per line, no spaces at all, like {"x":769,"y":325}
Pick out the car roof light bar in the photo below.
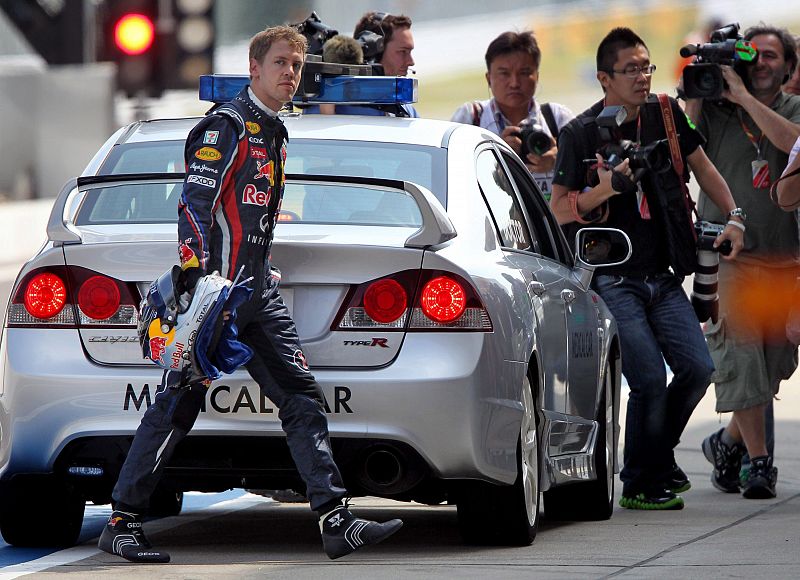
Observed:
{"x":352,"y":90}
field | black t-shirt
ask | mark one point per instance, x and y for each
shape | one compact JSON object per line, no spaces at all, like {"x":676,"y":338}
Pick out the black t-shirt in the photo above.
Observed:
{"x":579,"y":140}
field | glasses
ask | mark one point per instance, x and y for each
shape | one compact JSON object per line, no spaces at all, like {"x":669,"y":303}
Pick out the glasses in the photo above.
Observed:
{"x":632,"y":71}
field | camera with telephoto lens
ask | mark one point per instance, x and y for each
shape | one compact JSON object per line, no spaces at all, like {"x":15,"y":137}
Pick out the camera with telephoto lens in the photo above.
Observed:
{"x":705,"y":299}
{"x":703,"y":78}
{"x":614,"y":150}
{"x":534,"y":140}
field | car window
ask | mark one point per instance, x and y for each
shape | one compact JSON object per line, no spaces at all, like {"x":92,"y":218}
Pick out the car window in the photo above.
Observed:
{"x":502,"y":203}
{"x":147,"y":203}
{"x":543,"y":224}
{"x":425,"y":166}
{"x":321,"y":203}
{"x":421,"y":165}
{"x":148,"y":157}
{"x":317,"y":203}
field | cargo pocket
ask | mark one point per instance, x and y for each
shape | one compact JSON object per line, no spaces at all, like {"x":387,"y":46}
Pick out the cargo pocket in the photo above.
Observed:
{"x":721,"y":351}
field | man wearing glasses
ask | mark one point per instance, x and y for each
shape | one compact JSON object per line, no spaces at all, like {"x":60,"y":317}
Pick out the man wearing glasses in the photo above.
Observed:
{"x":655,"y":319}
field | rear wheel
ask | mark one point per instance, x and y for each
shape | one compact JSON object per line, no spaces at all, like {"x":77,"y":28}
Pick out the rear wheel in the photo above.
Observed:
{"x":591,"y":500}
{"x":39,"y":515}
{"x":502,"y":514}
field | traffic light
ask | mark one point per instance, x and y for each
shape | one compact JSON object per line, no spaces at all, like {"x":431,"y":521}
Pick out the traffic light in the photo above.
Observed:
{"x":189,"y":43}
{"x":129,"y":37}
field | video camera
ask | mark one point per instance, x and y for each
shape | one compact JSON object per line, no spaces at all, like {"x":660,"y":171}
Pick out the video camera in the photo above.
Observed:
{"x":703,"y":78}
{"x":318,"y":33}
{"x":653,"y":157}
{"x":314,"y":69}
{"x":705,"y":299}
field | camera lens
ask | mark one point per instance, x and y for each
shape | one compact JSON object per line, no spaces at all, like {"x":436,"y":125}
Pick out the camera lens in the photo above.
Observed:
{"x":705,"y":299}
{"x":539,"y":142}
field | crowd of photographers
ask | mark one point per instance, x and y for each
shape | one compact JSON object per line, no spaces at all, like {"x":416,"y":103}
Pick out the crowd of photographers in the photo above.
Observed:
{"x":737,"y":130}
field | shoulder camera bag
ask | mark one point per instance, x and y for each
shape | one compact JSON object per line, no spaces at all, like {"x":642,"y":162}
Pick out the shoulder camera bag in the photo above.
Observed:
{"x":677,"y":204}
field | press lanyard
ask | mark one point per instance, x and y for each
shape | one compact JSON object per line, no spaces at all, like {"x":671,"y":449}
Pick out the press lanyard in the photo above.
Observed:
{"x":750,"y":137}
{"x":760,"y":166}
{"x":500,"y":120}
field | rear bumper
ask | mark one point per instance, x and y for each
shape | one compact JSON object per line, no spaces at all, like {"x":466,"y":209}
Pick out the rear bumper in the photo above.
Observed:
{"x":455,"y":407}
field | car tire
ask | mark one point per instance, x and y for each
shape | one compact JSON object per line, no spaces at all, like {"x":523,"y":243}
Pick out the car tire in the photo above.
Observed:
{"x":39,"y":516}
{"x":590,"y":500}
{"x":506,"y":514}
{"x":165,"y":502}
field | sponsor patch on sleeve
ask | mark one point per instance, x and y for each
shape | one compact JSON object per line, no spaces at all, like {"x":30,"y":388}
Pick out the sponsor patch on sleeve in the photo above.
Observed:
{"x":208,"y":154}
{"x":211,"y":137}
{"x":201,"y":180}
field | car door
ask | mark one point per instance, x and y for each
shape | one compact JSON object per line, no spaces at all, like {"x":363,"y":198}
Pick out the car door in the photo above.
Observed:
{"x":543,"y":277}
{"x":577,"y":303}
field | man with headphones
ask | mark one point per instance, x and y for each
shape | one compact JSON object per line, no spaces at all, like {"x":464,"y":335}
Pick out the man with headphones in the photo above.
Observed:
{"x":398,"y":44}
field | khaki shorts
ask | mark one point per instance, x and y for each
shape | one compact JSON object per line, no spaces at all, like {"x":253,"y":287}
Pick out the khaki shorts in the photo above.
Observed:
{"x":748,"y":344}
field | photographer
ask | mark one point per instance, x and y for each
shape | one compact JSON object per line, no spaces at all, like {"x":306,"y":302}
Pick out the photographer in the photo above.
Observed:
{"x":749,"y":136}
{"x":655,"y":319}
{"x":512,"y":71}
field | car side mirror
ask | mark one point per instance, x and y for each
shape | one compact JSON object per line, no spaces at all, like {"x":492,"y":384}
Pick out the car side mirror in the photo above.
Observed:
{"x":598,"y":247}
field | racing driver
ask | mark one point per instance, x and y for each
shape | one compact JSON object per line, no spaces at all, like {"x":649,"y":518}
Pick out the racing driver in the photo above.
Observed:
{"x":226,"y":217}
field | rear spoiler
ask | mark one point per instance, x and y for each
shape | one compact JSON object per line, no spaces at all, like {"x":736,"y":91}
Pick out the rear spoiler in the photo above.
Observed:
{"x":436,"y":225}
{"x":62,"y":231}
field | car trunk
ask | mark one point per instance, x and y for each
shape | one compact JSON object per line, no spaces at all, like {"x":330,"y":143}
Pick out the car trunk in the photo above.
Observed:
{"x":319,"y":264}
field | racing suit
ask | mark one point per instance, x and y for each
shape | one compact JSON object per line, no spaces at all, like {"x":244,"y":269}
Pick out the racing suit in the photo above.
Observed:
{"x":226,"y":218}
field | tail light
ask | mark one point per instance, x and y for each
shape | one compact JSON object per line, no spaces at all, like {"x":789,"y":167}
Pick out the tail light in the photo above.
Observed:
{"x":72,"y":297}
{"x":438,"y":301}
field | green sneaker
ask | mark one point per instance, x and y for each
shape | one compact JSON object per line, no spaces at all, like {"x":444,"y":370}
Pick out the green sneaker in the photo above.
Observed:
{"x":662,"y":499}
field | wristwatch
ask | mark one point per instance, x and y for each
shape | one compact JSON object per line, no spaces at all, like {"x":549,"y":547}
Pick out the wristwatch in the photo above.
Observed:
{"x":738,"y":213}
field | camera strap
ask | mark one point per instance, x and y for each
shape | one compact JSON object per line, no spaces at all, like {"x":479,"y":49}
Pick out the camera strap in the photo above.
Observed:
{"x":773,"y":190}
{"x":675,"y":150}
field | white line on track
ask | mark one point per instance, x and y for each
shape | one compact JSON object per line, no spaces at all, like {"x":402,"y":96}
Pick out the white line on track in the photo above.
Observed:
{"x":83,"y":551}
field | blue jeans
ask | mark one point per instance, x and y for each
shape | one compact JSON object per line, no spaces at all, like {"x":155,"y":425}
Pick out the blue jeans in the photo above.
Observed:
{"x":656,"y":322}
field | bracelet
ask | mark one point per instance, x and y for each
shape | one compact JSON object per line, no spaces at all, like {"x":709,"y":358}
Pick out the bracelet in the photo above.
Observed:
{"x":739,"y":225}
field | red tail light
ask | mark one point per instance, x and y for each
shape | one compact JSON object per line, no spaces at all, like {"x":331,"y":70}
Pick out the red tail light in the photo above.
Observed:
{"x":45,"y":295}
{"x":439,"y":301}
{"x":98,"y":297}
{"x":385,"y":300}
{"x":443,"y":299}
{"x":71,"y":297}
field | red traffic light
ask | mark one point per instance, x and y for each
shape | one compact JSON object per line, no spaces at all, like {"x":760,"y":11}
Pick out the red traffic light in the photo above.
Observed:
{"x":134,"y":33}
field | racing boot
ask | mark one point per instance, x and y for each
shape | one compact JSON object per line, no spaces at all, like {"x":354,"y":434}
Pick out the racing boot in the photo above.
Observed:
{"x":123,"y":536}
{"x":343,"y":533}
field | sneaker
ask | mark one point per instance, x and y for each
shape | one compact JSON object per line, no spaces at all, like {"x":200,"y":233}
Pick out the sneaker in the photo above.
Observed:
{"x":343,"y":533}
{"x":761,"y":479}
{"x":657,"y":499}
{"x":727,"y":462}
{"x":676,"y":481}
{"x":123,"y":536}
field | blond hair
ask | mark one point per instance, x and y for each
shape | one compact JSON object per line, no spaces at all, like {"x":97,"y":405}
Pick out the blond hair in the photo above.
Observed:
{"x":261,"y":42}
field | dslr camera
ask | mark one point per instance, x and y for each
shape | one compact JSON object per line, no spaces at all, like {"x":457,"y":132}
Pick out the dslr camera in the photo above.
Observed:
{"x":705,"y":299}
{"x":703,"y":78}
{"x":534,"y":140}
{"x":653,"y":157}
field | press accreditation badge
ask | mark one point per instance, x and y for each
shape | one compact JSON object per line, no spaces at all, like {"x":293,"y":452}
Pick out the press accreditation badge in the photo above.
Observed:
{"x":761,"y":174}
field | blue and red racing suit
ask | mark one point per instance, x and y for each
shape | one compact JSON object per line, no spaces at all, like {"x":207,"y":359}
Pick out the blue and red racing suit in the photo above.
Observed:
{"x":226,"y":219}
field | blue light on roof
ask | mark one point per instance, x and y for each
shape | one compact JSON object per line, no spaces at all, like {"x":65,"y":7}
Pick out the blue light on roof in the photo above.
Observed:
{"x":355,"y":90}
